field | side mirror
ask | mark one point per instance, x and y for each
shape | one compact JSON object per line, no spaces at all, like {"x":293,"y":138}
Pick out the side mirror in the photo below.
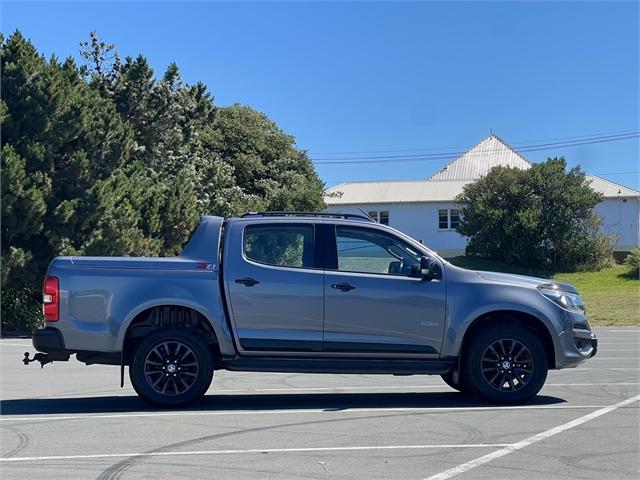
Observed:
{"x":429,"y":269}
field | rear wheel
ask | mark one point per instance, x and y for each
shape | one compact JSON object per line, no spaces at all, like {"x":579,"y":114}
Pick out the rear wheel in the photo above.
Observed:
{"x":171,"y":367}
{"x":505,"y":364}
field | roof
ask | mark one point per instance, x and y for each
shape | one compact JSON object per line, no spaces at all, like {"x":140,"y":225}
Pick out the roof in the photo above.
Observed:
{"x":415,"y":191}
{"x":356,"y":193}
{"x":489,"y":153}
{"x":445,"y":185}
{"x":611,"y":189}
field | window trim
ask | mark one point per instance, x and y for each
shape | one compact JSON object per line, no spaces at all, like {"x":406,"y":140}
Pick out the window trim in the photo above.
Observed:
{"x":448,"y":229}
{"x":440,"y":229}
{"x":366,"y":229}
{"x":316,"y":257}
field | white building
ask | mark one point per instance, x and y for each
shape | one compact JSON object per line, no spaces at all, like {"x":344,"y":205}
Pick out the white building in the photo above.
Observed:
{"x":426,"y":210}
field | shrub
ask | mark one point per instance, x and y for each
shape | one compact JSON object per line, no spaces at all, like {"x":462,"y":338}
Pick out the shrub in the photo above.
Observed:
{"x":541,"y":218}
{"x":21,"y":310}
{"x":633,"y":262}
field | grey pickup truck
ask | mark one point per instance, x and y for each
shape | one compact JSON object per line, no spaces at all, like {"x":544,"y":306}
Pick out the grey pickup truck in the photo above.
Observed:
{"x":308,"y":292}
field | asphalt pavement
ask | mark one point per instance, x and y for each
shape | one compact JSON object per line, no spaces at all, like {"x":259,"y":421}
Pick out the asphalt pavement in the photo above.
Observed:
{"x":70,"y":421}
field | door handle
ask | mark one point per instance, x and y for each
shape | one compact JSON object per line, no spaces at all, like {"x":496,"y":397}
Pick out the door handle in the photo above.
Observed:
{"x":247,"y":281}
{"x":343,"y":287}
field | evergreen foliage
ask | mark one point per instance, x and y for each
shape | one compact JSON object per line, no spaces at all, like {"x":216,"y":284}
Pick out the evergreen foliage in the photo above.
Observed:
{"x":105,"y":158}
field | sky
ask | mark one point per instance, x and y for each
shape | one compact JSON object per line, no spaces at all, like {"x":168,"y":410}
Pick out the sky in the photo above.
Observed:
{"x":389,"y":79}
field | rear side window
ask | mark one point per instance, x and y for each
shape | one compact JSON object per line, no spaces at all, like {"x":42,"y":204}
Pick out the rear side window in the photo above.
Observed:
{"x":280,"y":245}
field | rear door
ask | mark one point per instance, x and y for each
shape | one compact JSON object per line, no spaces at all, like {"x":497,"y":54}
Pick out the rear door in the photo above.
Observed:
{"x":274,"y":289}
{"x":376,"y":303}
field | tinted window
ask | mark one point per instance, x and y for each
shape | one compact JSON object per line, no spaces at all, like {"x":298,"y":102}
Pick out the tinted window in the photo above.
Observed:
{"x":370,"y":251}
{"x":281,"y":245}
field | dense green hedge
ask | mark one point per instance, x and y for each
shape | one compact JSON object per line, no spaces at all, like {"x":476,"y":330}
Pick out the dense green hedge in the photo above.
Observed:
{"x":106,"y":158}
{"x":633,"y":262}
{"x":21,"y":311}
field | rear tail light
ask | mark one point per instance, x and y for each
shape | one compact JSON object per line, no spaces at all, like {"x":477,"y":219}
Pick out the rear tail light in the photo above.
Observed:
{"x":51,"y":299}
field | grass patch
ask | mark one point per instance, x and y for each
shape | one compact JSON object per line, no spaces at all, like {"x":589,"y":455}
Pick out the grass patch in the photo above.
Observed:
{"x":611,"y":295}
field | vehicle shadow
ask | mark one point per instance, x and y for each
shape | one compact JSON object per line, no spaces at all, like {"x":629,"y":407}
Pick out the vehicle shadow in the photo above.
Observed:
{"x":227,"y":402}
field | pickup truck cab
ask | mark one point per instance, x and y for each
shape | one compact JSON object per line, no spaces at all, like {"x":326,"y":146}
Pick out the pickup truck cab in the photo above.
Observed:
{"x":305,"y":292}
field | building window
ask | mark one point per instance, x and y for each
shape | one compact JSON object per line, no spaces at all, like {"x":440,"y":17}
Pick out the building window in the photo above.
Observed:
{"x":455,"y":218}
{"x":443,"y":219}
{"x":381,"y":217}
{"x":448,"y":218}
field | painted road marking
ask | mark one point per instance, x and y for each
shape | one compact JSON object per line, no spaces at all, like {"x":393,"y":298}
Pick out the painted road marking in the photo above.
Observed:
{"x":330,"y":410}
{"x":249,"y":451}
{"x":464,"y":467}
{"x":331,"y":389}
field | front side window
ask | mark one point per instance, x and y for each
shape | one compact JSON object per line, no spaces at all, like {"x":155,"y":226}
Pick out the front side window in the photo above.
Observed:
{"x":443,"y":219}
{"x":280,"y":245}
{"x":364,"y":250}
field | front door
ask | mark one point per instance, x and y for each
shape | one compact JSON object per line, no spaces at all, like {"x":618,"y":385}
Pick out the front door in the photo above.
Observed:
{"x":275,"y":290}
{"x":376,"y":303}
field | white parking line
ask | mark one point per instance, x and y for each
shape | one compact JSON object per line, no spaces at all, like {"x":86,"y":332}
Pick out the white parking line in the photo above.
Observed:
{"x":464,"y":467}
{"x":253,"y":450}
{"x":614,"y":358}
{"x":605,"y":369}
{"x":324,"y":411}
{"x":389,"y":387}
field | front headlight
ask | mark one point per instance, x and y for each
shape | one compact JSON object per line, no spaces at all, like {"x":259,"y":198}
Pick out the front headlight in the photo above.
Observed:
{"x":566,"y":300}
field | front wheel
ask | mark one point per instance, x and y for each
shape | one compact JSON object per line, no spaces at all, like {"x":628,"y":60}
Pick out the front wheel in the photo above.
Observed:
{"x":505,"y":364}
{"x":171,"y":367}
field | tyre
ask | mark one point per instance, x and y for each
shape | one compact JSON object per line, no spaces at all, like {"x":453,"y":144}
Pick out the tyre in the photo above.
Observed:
{"x":505,"y":364}
{"x":171,"y":367}
{"x":459,"y":385}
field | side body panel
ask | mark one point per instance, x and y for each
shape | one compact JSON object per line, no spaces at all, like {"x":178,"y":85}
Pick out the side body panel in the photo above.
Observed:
{"x":282,"y":311}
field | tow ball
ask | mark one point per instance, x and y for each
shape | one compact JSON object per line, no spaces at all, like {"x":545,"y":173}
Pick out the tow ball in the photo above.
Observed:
{"x":44,"y":358}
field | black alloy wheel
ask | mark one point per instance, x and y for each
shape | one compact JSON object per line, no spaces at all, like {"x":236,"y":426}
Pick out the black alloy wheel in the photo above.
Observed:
{"x":172,"y":367}
{"x":507,"y":365}
{"x":504,"y":363}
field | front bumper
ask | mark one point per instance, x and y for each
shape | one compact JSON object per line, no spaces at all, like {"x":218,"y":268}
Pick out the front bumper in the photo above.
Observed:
{"x":575,"y":347}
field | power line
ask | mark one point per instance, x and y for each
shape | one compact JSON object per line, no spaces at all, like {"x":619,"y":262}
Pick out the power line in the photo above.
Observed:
{"x":466,"y":147}
{"x":452,"y":155}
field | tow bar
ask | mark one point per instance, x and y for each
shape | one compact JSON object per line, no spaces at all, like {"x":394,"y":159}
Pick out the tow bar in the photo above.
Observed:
{"x":45,"y":358}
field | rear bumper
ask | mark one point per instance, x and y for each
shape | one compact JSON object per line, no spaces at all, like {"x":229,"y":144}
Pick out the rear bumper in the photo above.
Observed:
{"x":48,"y":340}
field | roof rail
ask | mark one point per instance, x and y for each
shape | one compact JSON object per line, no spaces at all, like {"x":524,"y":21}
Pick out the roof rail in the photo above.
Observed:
{"x":347,"y":216}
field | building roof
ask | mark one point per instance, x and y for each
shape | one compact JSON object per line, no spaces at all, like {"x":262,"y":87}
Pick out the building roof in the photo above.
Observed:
{"x":611,"y":189}
{"x":356,"y":193}
{"x":419,"y":191}
{"x":445,"y":185}
{"x":489,"y":153}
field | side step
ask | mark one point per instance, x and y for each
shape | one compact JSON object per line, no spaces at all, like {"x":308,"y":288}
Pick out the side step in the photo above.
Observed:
{"x":333,"y":365}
